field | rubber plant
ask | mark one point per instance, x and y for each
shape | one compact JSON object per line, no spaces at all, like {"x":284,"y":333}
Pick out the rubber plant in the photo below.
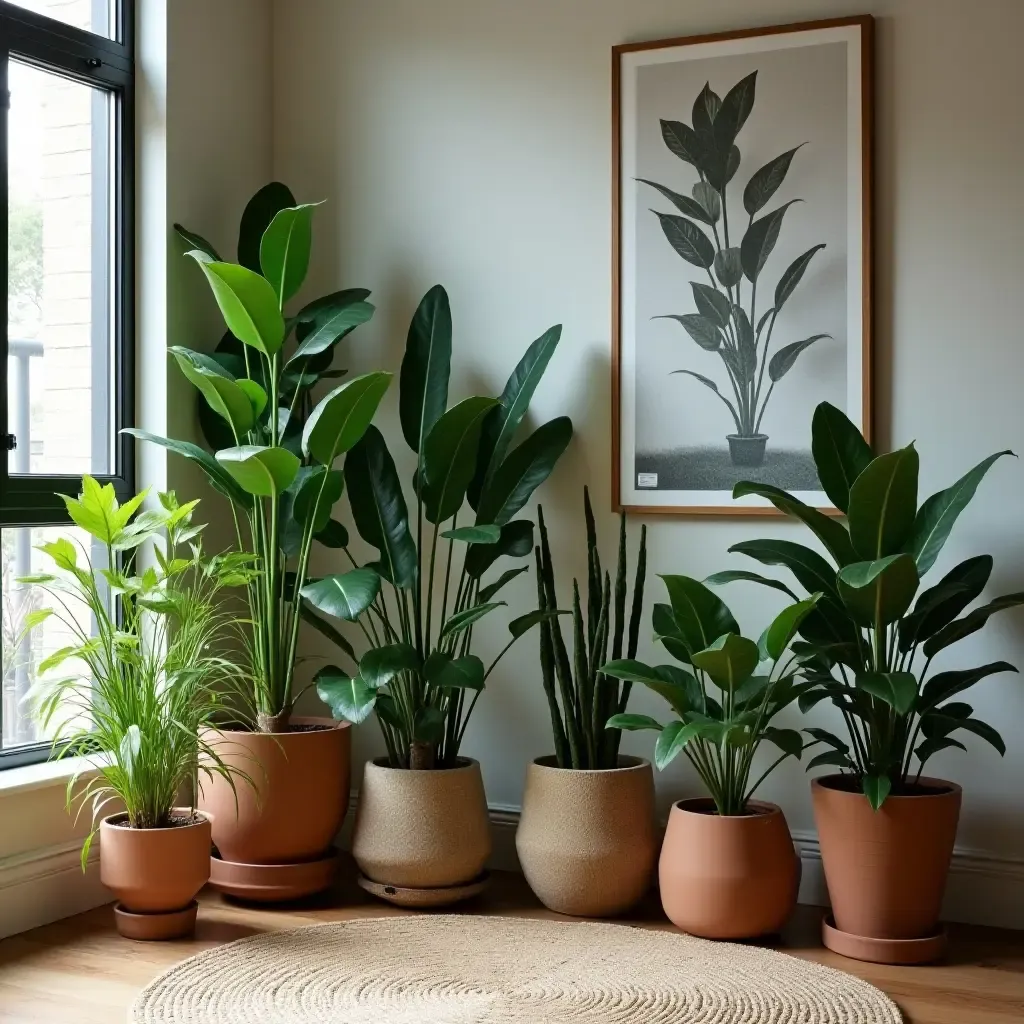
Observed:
{"x":727,"y":697}
{"x":868,"y":647}
{"x":425,"y":591}
{"x":581,"y":698}
{"x":135,"y":692}
{"x":729,"y":321}
{"x":278,"y":465}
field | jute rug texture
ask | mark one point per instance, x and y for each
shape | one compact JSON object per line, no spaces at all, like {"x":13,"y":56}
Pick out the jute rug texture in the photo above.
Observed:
{"x":501,"y":970}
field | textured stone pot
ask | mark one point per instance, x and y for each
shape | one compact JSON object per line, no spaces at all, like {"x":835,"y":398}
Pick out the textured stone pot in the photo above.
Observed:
{"x":587,"y":840}
{"x":886,"y":870}
{"x":728,"y":877}
{"x":422,"y":829}
{"x":747,"y":451}
{"x":155,"y":873}
{"x":298,"y":799}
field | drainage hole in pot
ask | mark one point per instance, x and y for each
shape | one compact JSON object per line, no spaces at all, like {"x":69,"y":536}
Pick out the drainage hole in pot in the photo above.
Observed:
{"x":390,"y":890}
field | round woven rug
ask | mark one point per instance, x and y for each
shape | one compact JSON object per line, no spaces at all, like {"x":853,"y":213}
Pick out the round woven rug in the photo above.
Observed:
{"x":501,"y":970}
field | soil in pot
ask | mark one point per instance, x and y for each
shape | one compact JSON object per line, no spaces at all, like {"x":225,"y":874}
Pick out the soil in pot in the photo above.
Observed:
{"x":886,"y":870}
{"x":587,"y":840}
{"x":155,"y":873}
{"x":299,"y":794}
{"x":422,"y":829}
{"x":728,"y":877}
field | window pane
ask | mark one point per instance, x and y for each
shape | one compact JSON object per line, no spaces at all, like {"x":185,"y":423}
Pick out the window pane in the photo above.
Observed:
{"x":21,"y":656}
{"x":58,"y":262}
{"x":91,"y":15}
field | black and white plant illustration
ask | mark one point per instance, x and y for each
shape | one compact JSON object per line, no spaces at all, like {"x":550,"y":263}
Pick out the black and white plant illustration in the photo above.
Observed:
{"x":735,"y":307}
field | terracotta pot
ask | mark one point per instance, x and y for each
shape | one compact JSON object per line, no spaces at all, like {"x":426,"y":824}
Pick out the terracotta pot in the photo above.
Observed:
{"x":728,"y":877}
{"x":422,"y":829}
{"x":886,"y":869}
{"x":587,"y":840}
{"x":298,"y":799}
{"x":155,"y":872}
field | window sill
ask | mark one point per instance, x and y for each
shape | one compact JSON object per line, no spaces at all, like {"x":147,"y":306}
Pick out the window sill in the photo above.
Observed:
{"x":41,"y":776}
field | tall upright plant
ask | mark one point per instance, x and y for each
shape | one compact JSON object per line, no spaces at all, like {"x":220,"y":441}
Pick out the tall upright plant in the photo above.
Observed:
{"x":425,"y":591}
{"x":588,"y":696}
{"x":278,"y":469}
{"x":868,"y":646}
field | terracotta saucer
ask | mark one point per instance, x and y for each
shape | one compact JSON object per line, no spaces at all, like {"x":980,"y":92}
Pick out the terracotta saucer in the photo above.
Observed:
{"x":156,"y":927}
{"x":883,"y":951}
{"x":402,"y":896}
{"x":273,"y":883}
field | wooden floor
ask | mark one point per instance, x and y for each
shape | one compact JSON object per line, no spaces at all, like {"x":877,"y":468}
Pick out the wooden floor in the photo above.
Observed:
{"x":79,"y":971}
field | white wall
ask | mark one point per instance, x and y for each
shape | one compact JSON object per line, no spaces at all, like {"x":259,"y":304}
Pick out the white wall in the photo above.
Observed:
{"x":468,"y":142}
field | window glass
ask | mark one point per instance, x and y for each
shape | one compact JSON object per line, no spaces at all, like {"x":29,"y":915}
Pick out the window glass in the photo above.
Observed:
{"x":91,"y":15}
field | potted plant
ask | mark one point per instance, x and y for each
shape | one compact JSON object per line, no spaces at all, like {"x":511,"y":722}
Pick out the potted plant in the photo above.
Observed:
{"x":586,"y":839}
{"x":727,"y":320}
{"x":421,"y":821}
{"x":886,"y":830}
{"x":728,"y":868}
{"x":136,"y":692}
{"x":277,"y":463}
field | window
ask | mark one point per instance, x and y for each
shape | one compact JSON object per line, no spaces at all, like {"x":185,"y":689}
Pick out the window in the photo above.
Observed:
{"x":66,"y":373}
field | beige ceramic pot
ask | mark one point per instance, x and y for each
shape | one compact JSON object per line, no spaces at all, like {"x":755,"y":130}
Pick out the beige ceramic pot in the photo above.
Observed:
{"x":422,"y":829}
{"x":587,"y":840}
{"x":297,"y":802}
{"x":886,"y":870}
{"x":155,"y":873}
{"x":728,"y":877}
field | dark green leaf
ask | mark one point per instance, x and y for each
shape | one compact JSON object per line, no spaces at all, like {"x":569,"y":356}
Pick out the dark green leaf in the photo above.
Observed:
{"x":633,"y":723}
{"x":703,"y":330}
{"x":325,"y":628}
{"x":331,"y":329}
{"x":940,"y":605}
{"x":732,"y":575}
{"x":937,"y":515}
{"x":678,"y":687}
{"x":345,"y":596}
{"x":315,"y":491}
{"x":350,"y":700}
{"x":701,"y":616}
{"x":728,"y":267}
{"x":666,"y":629}
{"x":381,"y":664}
{"x":789,"y":741}
{"x":195,"y":241}
{"x":840,"y":453}
{"x":791,"y":278}
{"x":760,"y":239}
{"x":223,"y":394}
{"x":467,"y":617}
{"x":256,"y":218}
{"x":811,"y":570}
{"x":876,"y":788}
{"x":474,"y":534}
{"x":671,"y":741}
{"x":429,"y":725}
{"x":765,"y":181}
{"x":970,"y":623}
{"x":729,"y":660}
{"x":824,"y":736}
{"x":830,"y":757}
{"x":877,"y":593}
{"x":948,"y":684}
{"x":883,"y":500}
{"x":426,"y":366}
{"x":785,"y":625}
{"x":486,"y":593}
{"x":333,"y":535}
{"x":342,"y":416}
{"x":935,"y":725}
{"x":516,"y":541}
{"x":897,"y":689}
{"x":927,"y":748}
{"x":448,"y":673}
{"x":782,"y":362}
{"x":687,"y":239}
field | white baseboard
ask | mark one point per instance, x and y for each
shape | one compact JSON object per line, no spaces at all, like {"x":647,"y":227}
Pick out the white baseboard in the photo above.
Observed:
{"x":983,"y":888}
{"x":45,"y":885}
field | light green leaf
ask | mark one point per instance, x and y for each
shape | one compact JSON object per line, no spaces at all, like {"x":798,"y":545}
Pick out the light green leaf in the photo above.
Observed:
{"x":285,"y":248}
{"x":464,"y":619}
{"x":729,"y":661}
{"x":349,"y":699}
{"x":262,"y":471}
{"x":224,"y":396}
{"x":342,"y":417}
{"x":488,"y":534}
{"x":633,"y":723}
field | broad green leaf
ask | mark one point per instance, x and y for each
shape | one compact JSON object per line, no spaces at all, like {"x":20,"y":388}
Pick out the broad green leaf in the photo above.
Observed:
{"x":247,"y":302}
{"x":883,"y":501}
{"x":429,"y":725}
{"x":970,"y":623}
{"x":467,"y":617}
{"x":877,"y":593}
{"x":524,"y":623}
{"x":97,"y":511}
{"x":258,"y":470}
{"x":729,"y":267}
{"x":729,"y":661}
{"x":381,"y":664}
{"x":256,"y":218}
{"x":345,"y":596}
{"x":687,"y":239}
{"x":489,"y":534}
{"x":314,"y":492}
{"x":448,"y":673}
{"x":789,"y":741}
{"x":702,"y":617}
{"x":331,"y":329}
{"x":765,"y":181}
{"x":760,"y":239}
{"x":682,"y":141}
{"x":378,"y":508}
{"x":948,"y":684}
{"x":684,"y":204}
{"x":633,"y":723}
{"x":219,"y":477}
{"x":709,"y":200}
{"x":423,"y":395}
{"x":935,"y":725}
{"x":703,"y":330}
{"x":671,"y":742}
{"x":449,"y":457}
{"x":938,"y":513}
{"x":785,"y":626}
{"x":810,"y":569}
{"x":342,"y":417}
{"x":830,"y":532}
{"x":831,"y":757}
{"x":196,"y":241}
{"x":791,"y":278}
{"x":502,"y":423}
{"x":222,"y":394}
{"x":876,"y":788}
{"x":840,"y":453}
{"x":349,"y":699}
{"x":940,"y":605}
{"x":732,"y":575}
{"x":333,"y":535}
{"x":523,"y":471}
{"x":285,"y":248}
{"x":487,"y":592}
{"x":516,"y":540}
{"x":326,"y":629}
{"x":675,"y":685}
{"x":897,"y":689}
{"x":927,"y":748}
{"x":711,"y":303}
{"x":782,"y":361}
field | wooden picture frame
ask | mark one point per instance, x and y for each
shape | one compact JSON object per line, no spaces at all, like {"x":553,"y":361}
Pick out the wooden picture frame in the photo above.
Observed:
{"x":813,"y":75}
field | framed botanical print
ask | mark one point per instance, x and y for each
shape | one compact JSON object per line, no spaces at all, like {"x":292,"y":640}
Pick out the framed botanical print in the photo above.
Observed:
{"x":742,"y":260}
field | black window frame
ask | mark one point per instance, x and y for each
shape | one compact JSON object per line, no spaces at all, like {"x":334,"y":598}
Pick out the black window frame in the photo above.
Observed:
{"x":108,"y":64}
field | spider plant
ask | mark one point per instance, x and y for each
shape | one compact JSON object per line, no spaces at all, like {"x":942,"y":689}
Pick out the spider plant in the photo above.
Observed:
{"x":139,"y":688}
